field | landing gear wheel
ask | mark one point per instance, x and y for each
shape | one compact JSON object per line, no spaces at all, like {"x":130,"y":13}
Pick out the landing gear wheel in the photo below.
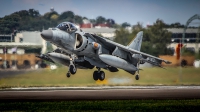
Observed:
{"x":137,"y":77}
{"x":72,"y":69}
{"x":95,"y":75}
{"x":68,"y":74}
{"x":101,"y":75}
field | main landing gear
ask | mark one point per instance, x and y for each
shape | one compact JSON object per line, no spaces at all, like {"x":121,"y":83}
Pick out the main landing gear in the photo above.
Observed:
{"x":99,"y":75}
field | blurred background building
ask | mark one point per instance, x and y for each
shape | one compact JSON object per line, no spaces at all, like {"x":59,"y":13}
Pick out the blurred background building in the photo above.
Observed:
{"x":23,"y":42}
{"x":191,"y":39}
{"x":19,"y":50}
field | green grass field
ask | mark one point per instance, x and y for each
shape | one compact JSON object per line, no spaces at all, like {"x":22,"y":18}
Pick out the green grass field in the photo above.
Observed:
{"x":106,"y":105}
{"x":148,"y":76}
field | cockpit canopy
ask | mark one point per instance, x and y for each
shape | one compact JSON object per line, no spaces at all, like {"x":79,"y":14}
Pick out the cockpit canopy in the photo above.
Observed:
{"x":67,"y":26}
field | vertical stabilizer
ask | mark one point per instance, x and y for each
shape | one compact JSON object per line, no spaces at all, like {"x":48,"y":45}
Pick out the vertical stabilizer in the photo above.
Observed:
{"x":137,"y":41}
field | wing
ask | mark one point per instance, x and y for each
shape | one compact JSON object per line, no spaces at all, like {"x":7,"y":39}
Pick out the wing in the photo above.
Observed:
{"x":103,"y":42}
{"x":150,"y":59}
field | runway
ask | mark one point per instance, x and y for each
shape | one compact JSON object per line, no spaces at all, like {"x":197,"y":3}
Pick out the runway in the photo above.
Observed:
{"x":100,"y":93}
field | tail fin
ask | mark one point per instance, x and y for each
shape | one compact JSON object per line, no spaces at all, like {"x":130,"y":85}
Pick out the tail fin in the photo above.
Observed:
{"x":137,"y":41}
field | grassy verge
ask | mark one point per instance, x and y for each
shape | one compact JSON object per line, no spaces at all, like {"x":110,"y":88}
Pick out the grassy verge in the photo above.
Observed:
{"x":106,"y":105}
{"x":148,"y":76}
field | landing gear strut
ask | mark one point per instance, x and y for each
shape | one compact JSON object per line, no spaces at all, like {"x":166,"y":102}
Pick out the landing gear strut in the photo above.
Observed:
{"x":72,"y":69}
{"x":99,"y":75}
{"x":137,"y":77}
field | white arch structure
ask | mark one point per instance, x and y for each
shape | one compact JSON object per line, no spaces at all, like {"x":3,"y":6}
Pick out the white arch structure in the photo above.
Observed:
{"x":196,"y":16}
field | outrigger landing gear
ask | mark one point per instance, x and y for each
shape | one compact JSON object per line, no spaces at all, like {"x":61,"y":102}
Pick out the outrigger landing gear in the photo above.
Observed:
{"x":137,"y":77}
{"x":99,"y":75}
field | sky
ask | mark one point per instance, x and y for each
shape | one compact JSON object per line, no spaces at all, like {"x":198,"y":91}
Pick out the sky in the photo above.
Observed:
{"x":131,"y":11}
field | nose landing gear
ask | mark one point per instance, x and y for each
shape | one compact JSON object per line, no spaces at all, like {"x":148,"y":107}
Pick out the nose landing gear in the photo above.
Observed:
{"x":72,"y":69}
{"x":68,"y":74}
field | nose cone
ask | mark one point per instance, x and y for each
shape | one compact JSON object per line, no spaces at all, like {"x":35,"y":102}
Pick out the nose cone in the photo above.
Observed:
{"x":47,"y":35}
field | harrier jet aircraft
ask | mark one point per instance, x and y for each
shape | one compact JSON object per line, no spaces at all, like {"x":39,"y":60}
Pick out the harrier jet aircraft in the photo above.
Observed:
{"x":78,"y":49}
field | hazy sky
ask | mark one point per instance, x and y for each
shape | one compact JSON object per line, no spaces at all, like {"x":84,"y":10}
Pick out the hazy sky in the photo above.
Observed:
{"x":131,"y":11}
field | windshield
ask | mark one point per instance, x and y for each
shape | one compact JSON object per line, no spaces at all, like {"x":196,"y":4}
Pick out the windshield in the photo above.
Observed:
{"x":67,"y":26}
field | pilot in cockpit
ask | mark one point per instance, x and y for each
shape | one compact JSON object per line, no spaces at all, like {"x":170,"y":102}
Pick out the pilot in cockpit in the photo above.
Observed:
{"x":67,"y":26}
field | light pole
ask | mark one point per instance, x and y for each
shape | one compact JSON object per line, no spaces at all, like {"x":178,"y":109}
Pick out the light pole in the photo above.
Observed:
{"x":5,"y":58}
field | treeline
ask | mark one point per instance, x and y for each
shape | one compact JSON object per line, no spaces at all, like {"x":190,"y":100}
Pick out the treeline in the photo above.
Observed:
{"x":32,"y":20}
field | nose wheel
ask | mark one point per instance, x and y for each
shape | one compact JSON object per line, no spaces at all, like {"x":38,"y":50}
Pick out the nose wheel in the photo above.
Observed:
{"x":72,"y":69}
{"x":137,"y":77}
{"x":68,"y":74}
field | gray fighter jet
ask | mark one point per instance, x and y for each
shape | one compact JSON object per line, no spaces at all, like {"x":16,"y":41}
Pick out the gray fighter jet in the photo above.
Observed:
{"x":78,"y":49}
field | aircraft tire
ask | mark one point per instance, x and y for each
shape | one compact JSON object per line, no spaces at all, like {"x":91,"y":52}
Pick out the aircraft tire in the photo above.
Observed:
{"x":101,"y":75}
{"x":68,"y":74}
{"x":137,"y":77}
{"x":72,"y":69}
{"x":95,"y":75}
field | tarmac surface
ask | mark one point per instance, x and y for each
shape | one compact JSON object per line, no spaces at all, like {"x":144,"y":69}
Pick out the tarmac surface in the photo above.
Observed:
{"x":100,"y":93}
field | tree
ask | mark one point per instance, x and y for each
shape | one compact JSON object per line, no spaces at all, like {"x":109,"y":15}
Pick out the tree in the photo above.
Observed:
{"x":121,"y":36}
{"x":159,"y":37}
{"x":85,"y":18}
{"x":23,"y":13}
{"x":67,"y":15}
{"x":78,"y":19}
{"x":159,"y":34}
{"x":111,"y":22}
{"x":54,"y":17}
{"x":125,"y":24}
{"x":49,"y":15}
{"x":33,"y":13}
{"x":93,"y":21}
{"x":100,"y":20}
{"x":9,"y":23}
{"x":176,"y":25}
